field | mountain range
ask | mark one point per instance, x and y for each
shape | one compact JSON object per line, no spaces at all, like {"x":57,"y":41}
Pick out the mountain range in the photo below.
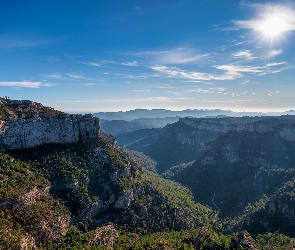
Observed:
{"x":66,"y":184}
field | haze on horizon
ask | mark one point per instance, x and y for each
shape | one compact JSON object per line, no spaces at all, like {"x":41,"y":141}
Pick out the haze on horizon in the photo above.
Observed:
{"x":120,"y":55}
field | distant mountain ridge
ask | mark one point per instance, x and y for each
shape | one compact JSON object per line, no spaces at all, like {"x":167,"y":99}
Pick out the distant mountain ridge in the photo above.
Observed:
{"x":183,"y":141}
{"x":164,"y":113}
{"x":117,"y":127}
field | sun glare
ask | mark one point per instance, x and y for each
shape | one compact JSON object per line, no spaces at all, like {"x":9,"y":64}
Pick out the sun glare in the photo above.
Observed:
{"x":273,"y":26}
{"x":273,"y":23}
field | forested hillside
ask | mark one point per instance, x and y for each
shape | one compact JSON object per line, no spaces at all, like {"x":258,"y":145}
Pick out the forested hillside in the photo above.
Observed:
{"x":93,"y":194}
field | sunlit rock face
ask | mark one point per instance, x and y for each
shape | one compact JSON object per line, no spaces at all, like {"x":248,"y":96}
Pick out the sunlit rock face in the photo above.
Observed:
{"x":286,"y":131}
{"x":26,"y":124}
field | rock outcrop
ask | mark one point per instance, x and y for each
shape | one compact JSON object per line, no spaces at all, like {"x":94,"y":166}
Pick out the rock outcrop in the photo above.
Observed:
{"x":250,"y":124}
{"x":26,"y":124}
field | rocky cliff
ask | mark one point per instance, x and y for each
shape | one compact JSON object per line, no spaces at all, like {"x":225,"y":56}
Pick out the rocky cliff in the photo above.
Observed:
{"x":26,"y":124}
{"x":285,"y":125}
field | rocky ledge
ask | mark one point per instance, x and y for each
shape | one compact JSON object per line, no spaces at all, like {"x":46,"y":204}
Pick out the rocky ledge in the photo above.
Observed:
{"x":26,"y":124}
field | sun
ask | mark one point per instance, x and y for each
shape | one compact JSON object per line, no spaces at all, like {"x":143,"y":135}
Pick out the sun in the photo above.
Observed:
{"x":273,"y":26}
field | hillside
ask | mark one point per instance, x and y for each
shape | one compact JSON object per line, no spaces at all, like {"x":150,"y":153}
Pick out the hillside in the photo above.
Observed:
{"x":86,"y":192}
{"x":273,"y":213}
{"x":48,"y":189}
{"x":238,"y":161}
{"x":238,"y":167}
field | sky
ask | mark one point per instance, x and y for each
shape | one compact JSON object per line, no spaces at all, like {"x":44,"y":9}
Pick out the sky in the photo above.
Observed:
{"x":114,"y":55}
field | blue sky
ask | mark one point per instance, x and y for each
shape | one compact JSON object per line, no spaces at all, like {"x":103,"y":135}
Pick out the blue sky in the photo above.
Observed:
{"x":87,"y":56}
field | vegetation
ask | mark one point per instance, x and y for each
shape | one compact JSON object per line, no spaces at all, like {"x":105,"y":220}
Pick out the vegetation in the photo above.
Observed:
{"x":237,"y":168}
{"x":92,"y":194}
{"x":12,"y":109}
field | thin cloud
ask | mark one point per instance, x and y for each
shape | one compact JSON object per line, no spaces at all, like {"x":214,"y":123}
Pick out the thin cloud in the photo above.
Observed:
{"x":273,"y":53}
{"x":75,"y":76}
{"x":246,"y":54}
{"x":174,"y":56}
{"x":174,"y":93}
{"x":273,"y":93}
{"x":163,"y":86}
{"x":55,"y":76}
{"x":177,"y":73}
{"x":79,"y":77}
{"x":206,"y":91}
{"x":25,"y":84}
{"x":163,"y":99}
{"x":140,"y":90}
{"x":103,"y":62}
{"x":131,"y":64}
{"x":8,"y":42}
{"x":275,"y":64}
{"x":95,"y":64}
{"x":235,"y":101}
{"x":231,"y":72}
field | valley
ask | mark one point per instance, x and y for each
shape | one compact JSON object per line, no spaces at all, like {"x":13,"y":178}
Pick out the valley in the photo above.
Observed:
{"x":197,"y":183}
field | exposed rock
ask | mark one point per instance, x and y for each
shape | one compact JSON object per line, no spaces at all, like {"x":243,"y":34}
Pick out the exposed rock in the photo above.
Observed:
{"x":51,"y":227}
{"x":124,"y":200}
{"x":47,"y":126}
{"x":27,"y":243}
{"x":105,"y":237}
{"x":243,"y":240}
{"x":30,"y":197}
{"x":221,"y":126}
{"x":125,"y":172}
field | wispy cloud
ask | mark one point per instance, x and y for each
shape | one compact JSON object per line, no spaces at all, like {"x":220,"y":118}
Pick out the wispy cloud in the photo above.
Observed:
{"x":95,"y":64}
{"x":55,"y":76}
{"x":273,"y":93}
{"x":7,"y":41}
{"x":67,"y":76}
{"x":103,"y":62}
{"x":173,"y":56}
{"x":74,"y":76}
{"x":231,"y":72}
{"x":131,"y":64}
{"x":140,"y":90}
{"x":246,"y":54}
{"x":275,"y":64}
{"x":160,"y":99}
{"x":235,"y":101}
{"x":178,"y":73}
{"x":206,"y":91}
{"x":273,"y":53}
{"x":25,"y":84}
{"x":174,"y":93}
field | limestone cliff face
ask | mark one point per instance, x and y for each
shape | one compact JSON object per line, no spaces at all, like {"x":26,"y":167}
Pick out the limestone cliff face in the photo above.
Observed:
{"x":25,"y":124}
{"x":287,"y":132}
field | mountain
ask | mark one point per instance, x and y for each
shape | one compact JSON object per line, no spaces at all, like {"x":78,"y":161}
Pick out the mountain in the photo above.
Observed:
{"x":273,"y":213}
{"x":66,"y":184}
{"x":226,"y":162}
{"x":159,"y":113}
{"x":180,"y":142}
{"x":78,"y":179}
{"x":241,"y":164}
{"x":164,"y":113}
{"x":118,"y":127}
